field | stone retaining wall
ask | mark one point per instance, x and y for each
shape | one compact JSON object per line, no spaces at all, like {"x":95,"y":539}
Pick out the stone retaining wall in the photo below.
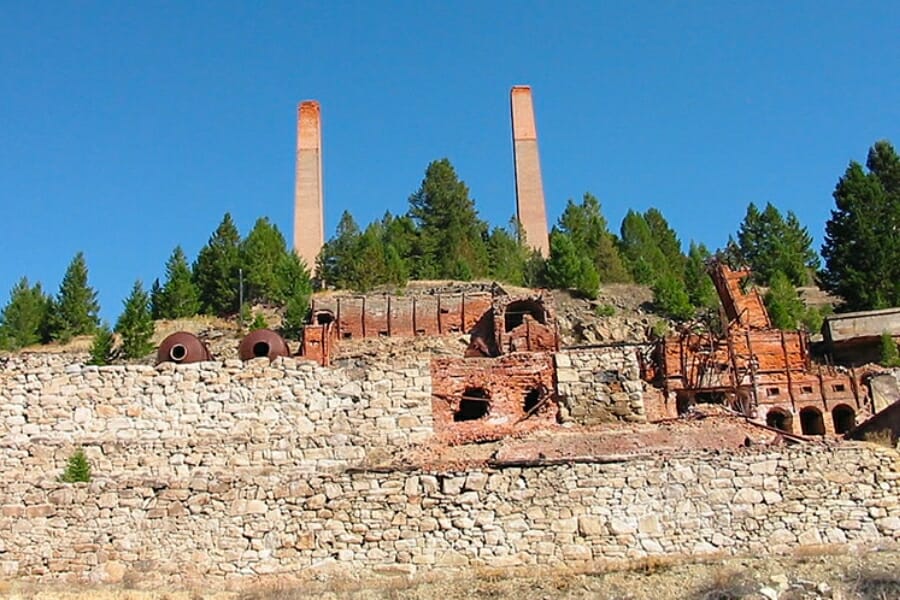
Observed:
{"x":261,"y":521}
{"x":599,"y":385}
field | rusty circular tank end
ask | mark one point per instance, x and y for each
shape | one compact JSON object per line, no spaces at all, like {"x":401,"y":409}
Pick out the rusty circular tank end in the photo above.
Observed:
{"x":263,"y":342}
{"x":182,"y":348}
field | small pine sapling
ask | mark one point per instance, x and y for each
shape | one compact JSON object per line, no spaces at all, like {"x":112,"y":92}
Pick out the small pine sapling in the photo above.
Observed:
{"x":78,"y":469}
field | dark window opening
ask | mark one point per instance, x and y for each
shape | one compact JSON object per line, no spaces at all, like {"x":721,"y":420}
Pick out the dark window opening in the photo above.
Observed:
{"x":474,"y":405}
{"x":324,"y":318}
{"x":685,"y":400}
{"x":532,"y":399}
{"x":811,"y":422}
{"x":445,"y":311}
{"x":346,"y":335}
{"x":454,"y":329}
{"x":383,"y":333}
{"x":844,"y":418}
{"x":780,"y":419}
{"x":839,"y":387}
{"x":806,"y":389}
{"x":515,"y":312}
{"x":773,"y":391}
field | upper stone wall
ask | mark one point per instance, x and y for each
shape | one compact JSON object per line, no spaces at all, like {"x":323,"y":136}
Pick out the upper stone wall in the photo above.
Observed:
{"x":220,"y":415}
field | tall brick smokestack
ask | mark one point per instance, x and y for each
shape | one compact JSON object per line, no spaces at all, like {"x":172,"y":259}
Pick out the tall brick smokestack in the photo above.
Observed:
{"x":309,"y":222}
{"x":530,"y":207}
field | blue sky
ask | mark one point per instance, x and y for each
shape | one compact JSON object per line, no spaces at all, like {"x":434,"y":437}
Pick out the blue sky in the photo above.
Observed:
{"x":129,"y":128}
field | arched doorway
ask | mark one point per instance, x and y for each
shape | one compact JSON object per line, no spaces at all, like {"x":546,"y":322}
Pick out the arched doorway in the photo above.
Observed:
{"x":844,"y":418}
{"x":811,"y":421}
{"x":515,"y":312}
{"x":780,"y":419}
{"x":474,"y":405}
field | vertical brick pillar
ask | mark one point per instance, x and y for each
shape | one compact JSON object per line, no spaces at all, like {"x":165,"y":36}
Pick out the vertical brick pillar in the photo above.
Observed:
{"x":530,"y":207}
{"x":309,"y":223}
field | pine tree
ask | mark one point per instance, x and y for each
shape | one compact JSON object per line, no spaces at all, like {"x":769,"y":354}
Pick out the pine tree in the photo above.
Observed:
{"x":666,"y":240}
{"x":294,"y":282}
{"x":700,"y":288}
{"x":566,"y":269}
{"x":771,"y":243}
{"x":23,"y":321}
{"x":671,"y":298}
{"x":78,"y":469}
{"x":179,"y":297}
{"x":786,"y":310}
{"x":890,"y":357}
{"x":294,"y":319}
{"x":261,"y":251}
{"x":590,"y":234}
{"x":156,"y":299}
{"x":75,"y":309}
{"x":508,"y":256}
{"x":451,"y":237}
{"x":642,"y":254}
{"x":862,"y":244}
{"x":102,"y":348}
{"x":336,"y":263}
{"x":135,"y":324}
{"x":216,"y":271}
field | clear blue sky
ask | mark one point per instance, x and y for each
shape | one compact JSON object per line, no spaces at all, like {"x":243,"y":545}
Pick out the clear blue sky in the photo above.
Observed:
{"x":128,"y":128}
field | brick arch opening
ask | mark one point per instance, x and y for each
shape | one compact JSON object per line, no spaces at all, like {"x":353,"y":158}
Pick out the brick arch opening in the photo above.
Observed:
{"x":811,"y":421}
{"x":532,"y":399}
{"x":780,"y":419}
{"x":844,"y":418}
{"x":324,"y":317}
{"x":514,"y":314}
{"x":474,"y":405}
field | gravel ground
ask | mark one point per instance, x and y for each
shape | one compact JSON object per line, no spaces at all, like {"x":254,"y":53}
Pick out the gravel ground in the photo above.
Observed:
{"x":872,"y":575}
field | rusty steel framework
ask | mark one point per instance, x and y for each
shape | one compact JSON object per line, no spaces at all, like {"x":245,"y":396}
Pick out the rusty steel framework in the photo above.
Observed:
{"x":761,"y":372}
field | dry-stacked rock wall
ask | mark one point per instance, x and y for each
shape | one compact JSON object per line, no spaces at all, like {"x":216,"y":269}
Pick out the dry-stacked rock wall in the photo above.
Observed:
{"x":222,"y":471}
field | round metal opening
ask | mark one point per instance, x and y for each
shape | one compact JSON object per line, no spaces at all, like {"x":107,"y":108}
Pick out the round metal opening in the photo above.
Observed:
{"x":178,"y":353}
{"x":260,"y":349}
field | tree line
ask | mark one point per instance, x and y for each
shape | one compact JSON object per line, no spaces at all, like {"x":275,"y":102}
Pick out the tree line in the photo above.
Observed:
{"x":441,"y":236}
{"x":271,"y":273}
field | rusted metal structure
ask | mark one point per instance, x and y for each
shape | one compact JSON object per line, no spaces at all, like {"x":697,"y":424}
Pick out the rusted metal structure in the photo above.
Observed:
{"x":182,"y":348}
{"x":764,"y":373}
{"x":263,"y":343}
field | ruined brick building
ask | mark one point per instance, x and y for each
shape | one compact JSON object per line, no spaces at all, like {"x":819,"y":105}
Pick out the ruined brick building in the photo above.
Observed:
{"x":764,"y":373}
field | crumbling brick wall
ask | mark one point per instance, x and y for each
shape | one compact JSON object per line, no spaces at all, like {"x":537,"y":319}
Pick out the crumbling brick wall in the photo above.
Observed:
{"x":477,"y":397}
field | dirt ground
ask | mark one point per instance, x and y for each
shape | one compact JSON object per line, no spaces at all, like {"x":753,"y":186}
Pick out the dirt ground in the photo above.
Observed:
{"x":816,"y":573}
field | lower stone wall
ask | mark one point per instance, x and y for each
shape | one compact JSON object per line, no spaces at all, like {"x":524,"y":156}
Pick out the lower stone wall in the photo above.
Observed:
{"x":224,"y":527}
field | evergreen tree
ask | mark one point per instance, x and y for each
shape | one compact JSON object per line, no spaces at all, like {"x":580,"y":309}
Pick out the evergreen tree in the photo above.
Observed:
{"x":590,"y":234}
{"x":179,"y":297}
{"x":769,"y":243}
{"x":156,"y":299}
{"x":786,"y":310}
{"x":641,"y":252}
{"x":102,"y":348}
{"x":671,"y":297}
{"x":566,"y":269}
{"x":135,"y":324}
{"x":78,"y":469}
{"x":666,"y":240}
{"x":294,"y":282}
{"x":451,"y":237}
{"x":294,"y":319}
{"x":890,"y":357}
{"x":700,"y":288}
{"x":862,"y":244}
{"x":508,"y":256}
{"x":75,"y":310}
{"x":23,"y":321}
{"x":216,"y":271}
{"x":336,"y":263}
{"x":261,"y":252}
